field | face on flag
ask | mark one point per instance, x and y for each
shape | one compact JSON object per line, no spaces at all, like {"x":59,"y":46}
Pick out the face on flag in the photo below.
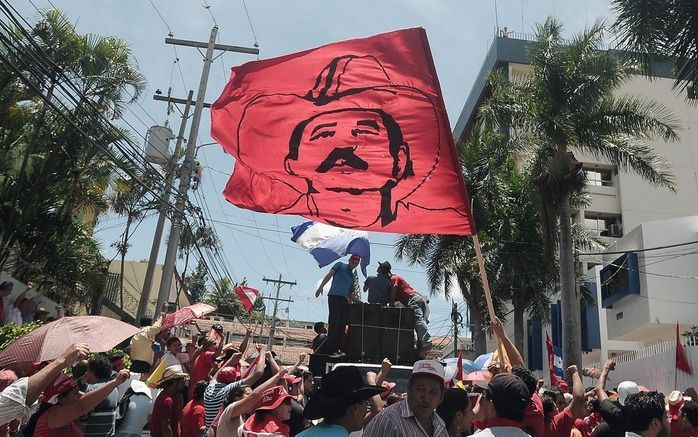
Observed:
{"x":352,"y":134}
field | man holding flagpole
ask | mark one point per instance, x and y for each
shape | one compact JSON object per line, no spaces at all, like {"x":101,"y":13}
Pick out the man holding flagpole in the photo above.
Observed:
{"x":342,"y":276}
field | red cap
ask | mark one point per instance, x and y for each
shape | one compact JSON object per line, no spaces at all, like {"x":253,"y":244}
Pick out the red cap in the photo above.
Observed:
{"x":228,"y":375}
{"x":388,"y":387}
{"x":61,"y":385}
{"x":292,"y":380}
{"x":273,"y":397}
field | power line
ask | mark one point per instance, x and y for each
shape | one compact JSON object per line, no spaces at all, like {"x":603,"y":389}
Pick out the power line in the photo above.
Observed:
{"x":620,"y":252}
{"x":169,"y":29}
{"x":249,"y":20}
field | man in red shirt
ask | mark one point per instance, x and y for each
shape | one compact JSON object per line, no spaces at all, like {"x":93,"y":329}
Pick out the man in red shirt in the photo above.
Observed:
{"x":194,"y":413}
{"x":167,"y":409}
{"x":560,"y":423}
{"x":401,"y":291}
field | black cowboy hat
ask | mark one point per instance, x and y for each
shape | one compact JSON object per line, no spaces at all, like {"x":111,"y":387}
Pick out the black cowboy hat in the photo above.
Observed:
{"x":385,"y":266}
{"x":341,"y":387}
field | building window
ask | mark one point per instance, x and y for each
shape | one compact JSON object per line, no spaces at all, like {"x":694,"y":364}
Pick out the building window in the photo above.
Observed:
{"x":599,"y":177}
{"x":604,"y":225}
{"x":619,"y":279}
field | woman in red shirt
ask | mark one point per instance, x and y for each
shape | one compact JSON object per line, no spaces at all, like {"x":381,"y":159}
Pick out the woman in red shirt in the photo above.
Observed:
{"x":268,"y":419}
{"x":62,"y":403}
{"x":194,"y":413}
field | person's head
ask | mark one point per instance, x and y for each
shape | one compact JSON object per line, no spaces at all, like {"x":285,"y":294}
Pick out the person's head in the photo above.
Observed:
{"x":346,"y":145}
{"x":645,"y":415}
{"x":319,"y":328}
{"x":456,"y":410}
{"x":98,"y":369}
{"x":275,"y":401}
{"x":228,"y":375}
{"x":506,"y":396}
{"x":384,"y":268}
{"x":238,"y":393}
{"x":40,"y":314}
{"x":24,"y":305}
{"x":425,"y":388}
{"x":689,"y":415}
{"x":190,"y":348}
{"x":174,"y":345}
{"x":199,"y":390}
{"x":146,"y":321}
{"x":173,"y":379}
{"x":118,"y":361}
{"x":341,"y":398}
{"x":527,"y":377}
{"x":6,"y":288}
{"x":549,"y":399}
{"x":294,"y":384}
{"x":625,"y":389}
{"x":354,"y":261}
{"x":308,"y":383}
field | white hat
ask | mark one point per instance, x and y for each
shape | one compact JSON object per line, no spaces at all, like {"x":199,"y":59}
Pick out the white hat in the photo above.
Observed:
{"x":625,"y":389}
{"x":141,"y":387}
{"x":428,"y":367}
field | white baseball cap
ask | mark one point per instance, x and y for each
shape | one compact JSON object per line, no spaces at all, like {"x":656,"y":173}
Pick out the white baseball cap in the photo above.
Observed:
{"x":428,"y":367}
{"x":625,"y":389}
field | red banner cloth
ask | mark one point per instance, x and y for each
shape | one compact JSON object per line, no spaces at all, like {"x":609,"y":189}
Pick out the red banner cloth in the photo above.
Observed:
{"x":555,"y":380}
{"x":681,"y":359}
{"x":353,"y":134}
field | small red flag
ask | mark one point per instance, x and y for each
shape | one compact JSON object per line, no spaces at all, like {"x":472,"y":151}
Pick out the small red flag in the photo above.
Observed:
{"x":353,"y":134}
{"x":248,"y":296}
{"x":459,"y":367}
{"x":555,"y":379}
{"x":681,"y":359}
{"x":251,"y":367}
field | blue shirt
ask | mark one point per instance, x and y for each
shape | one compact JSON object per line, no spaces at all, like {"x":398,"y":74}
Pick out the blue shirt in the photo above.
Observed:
{"x":135,"y":417}
{"x":342,"y":281}
{"x":324,"y":430}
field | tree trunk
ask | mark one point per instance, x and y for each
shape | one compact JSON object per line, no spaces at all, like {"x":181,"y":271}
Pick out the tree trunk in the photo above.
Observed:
{"x":519,"y":328}
{"x":571,"y":313}
{"x":477,"y":322}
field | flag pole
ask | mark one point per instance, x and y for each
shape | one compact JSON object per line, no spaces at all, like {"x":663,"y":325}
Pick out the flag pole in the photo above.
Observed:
{"x":676,"y":356}
{"x":486,"y":288}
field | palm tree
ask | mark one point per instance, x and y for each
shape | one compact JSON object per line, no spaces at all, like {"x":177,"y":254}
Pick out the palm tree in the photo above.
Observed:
{"x":665,"y":30}
{"x":491,"y":176}
{"x":567,"y":104}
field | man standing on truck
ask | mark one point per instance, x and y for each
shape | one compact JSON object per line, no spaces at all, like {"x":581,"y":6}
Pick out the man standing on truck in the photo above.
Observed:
{"x":416,"y":416}
{"x":342,"y":276}
{"x":401,"y":291}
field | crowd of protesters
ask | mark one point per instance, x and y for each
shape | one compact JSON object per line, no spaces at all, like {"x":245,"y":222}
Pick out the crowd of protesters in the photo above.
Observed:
{"x":201,"y":386}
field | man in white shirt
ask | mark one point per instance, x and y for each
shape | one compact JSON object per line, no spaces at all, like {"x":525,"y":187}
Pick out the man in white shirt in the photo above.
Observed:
{"x":645,"y":415}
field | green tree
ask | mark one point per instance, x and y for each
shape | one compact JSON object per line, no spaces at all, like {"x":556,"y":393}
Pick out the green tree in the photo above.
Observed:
{"x":197,"y":282}
{"x":567,"y":104}
{"x":661,"y":31}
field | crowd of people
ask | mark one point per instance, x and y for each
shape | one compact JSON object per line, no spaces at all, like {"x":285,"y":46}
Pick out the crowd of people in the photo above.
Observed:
{"x":385,"y":288}
{"x":202,"y":387}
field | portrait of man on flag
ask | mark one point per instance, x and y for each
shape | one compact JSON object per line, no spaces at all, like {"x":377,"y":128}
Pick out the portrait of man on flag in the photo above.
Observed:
{"x":353,"y":134}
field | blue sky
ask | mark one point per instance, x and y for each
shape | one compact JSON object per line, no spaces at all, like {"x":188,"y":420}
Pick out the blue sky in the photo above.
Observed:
{"x":254,"y":244}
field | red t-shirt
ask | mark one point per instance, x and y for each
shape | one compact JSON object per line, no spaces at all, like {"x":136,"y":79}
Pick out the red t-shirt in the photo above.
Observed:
{"x":404,"y":290}
{"x":561,"y":425}
{"x":165,"y":408}
{"x":534,"y":418}
{"x":270,"y":425}
{"x":200,"y":370}
{"x":193,"y":419}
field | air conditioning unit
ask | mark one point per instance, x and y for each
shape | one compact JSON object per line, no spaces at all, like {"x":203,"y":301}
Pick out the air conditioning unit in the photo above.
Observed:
{"x":615,"y":230}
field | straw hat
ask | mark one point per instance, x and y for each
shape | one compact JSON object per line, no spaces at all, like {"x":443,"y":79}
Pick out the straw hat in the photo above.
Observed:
{"x":173,"y":372}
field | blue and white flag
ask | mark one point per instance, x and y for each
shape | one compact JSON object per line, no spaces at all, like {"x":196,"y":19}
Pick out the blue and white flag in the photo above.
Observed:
{"x":329,"y":243}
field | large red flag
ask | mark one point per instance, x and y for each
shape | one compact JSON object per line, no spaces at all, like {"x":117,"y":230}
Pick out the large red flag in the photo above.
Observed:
{"x":353,"y":134}
{"x":459,"y":367}
{"x":681,"y":359}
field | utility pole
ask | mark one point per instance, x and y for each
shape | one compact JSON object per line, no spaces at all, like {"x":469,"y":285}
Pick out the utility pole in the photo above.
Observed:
{"x":157,"y":238}
{"x":186,"y":170}
{"x":279,"y":283}
{"x":457,"y":319}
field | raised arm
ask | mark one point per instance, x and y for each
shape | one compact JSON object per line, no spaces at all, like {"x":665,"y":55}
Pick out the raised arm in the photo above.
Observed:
{"x":376,"y":401}
{"x":514,"y":355}
{"x":38,"y":382}
{"x":386,"y":365}
{"x":325,"y":280}
{"x":299,"y":362}
{"x":258,"y":368}
{"x":272,"y":362}
{"x":248,"y":403}
{"x":578,"y":404}
{"x":62,"y":415}
{"x":245,"y":341}
{"x":601,"y":383}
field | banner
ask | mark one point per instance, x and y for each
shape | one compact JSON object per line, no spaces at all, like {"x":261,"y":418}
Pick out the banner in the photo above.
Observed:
{"x":353,"y":134}
{"x":248,"y":296}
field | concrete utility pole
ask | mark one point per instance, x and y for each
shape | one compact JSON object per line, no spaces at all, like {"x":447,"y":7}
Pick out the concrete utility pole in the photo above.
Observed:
{"x":186,"y":170}
{"x":279,"y":283}
{"x":157,"y":238}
